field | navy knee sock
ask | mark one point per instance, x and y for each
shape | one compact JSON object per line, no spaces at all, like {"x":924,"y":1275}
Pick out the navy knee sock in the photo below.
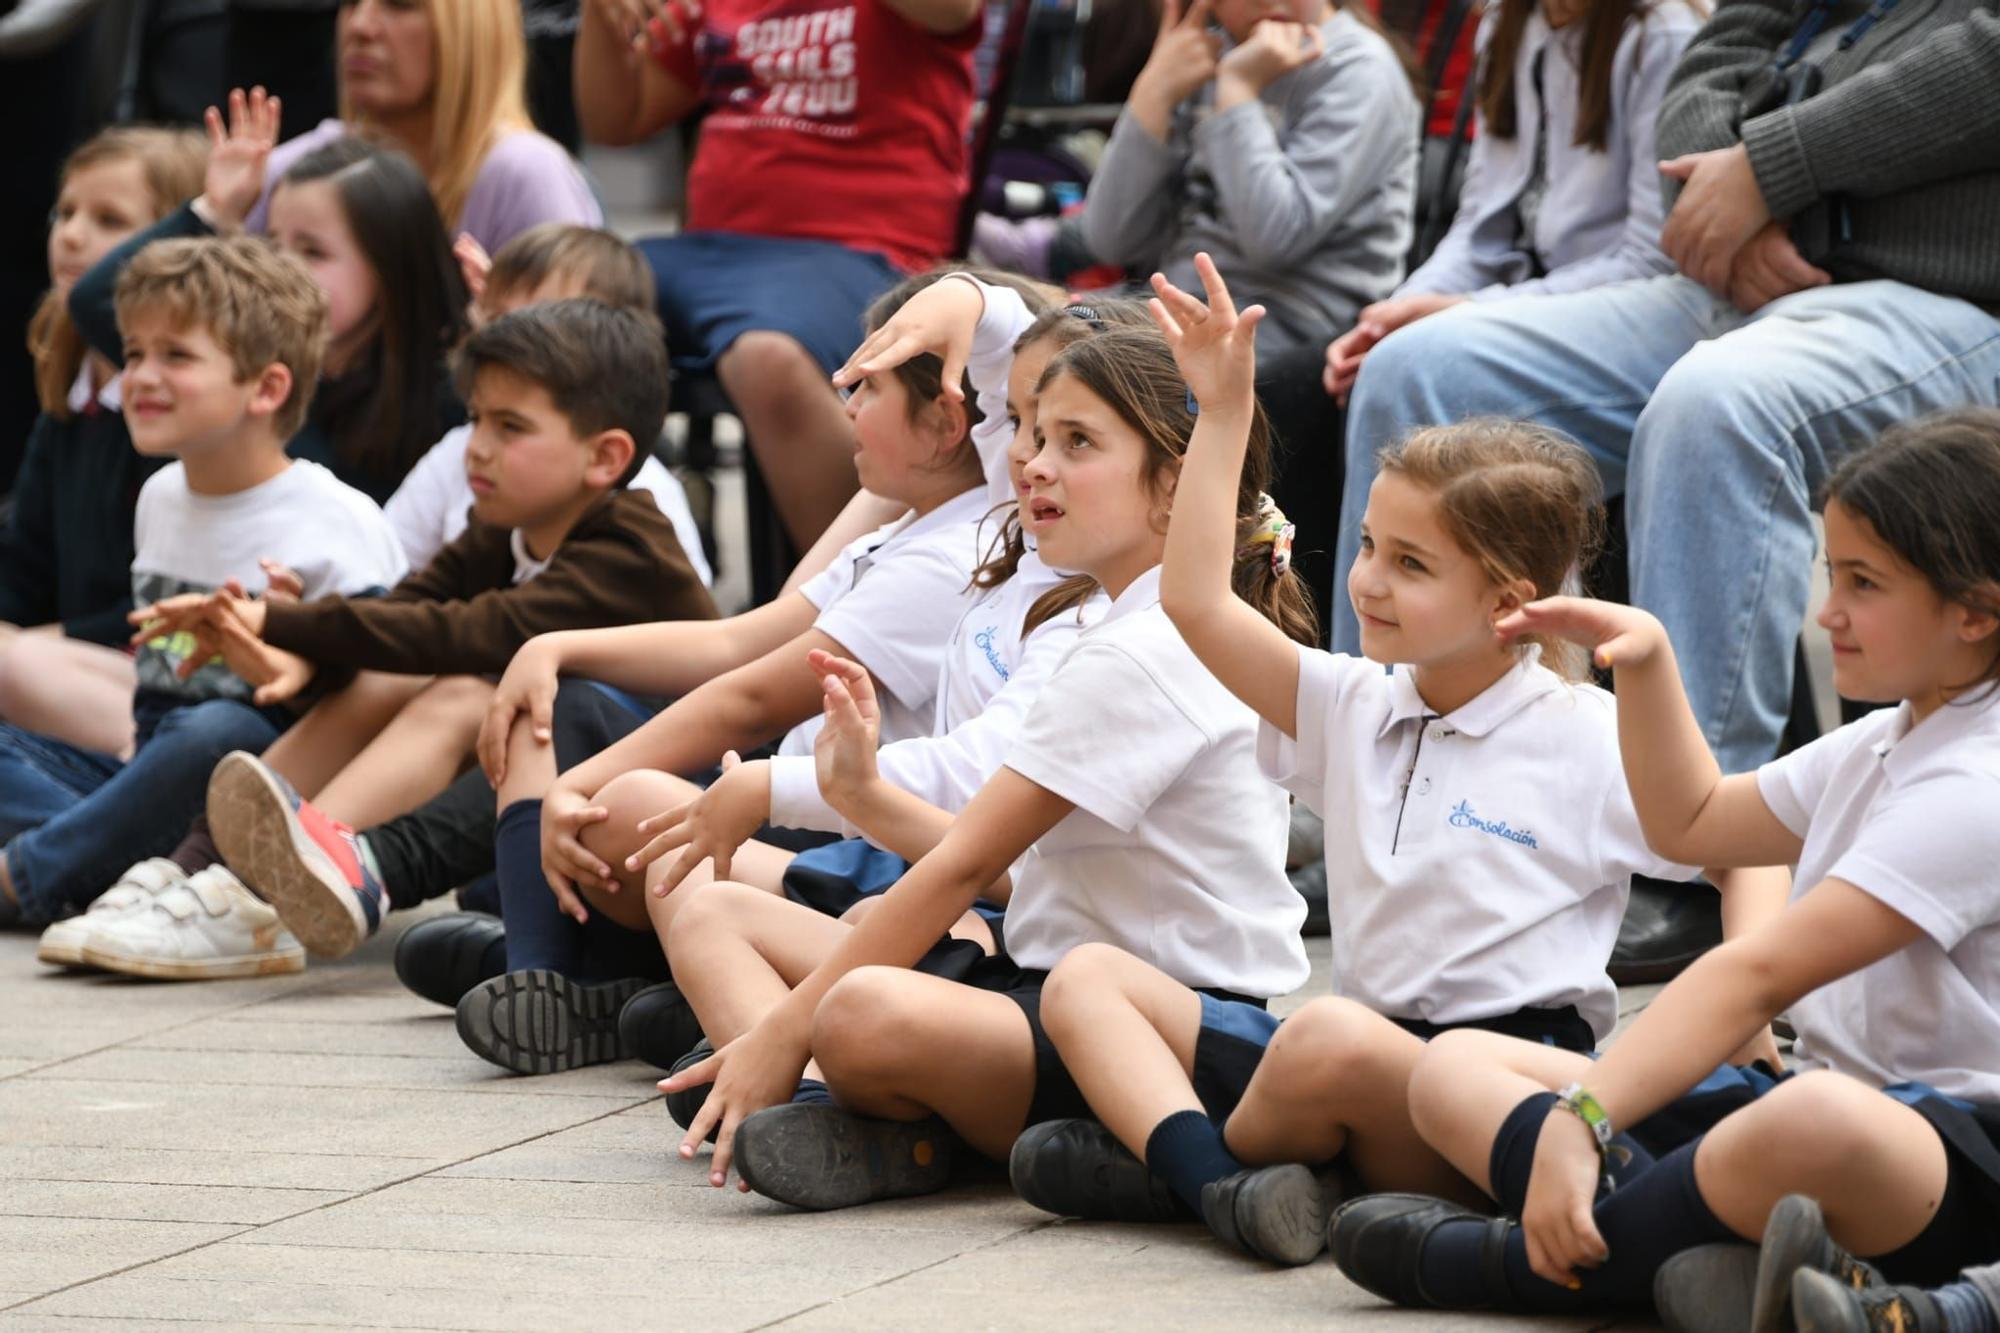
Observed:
{"x":538,"y":934}
{"x":812,"y":1090}
{"x":1186,"y":1151}
{"x":1652,"y":1215}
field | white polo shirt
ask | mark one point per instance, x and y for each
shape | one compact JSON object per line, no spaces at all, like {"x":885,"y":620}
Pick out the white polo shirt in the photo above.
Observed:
{"x":890,"y":599}
{"x":1176,"y":849}
{"x":1911,"y":817}
{"x":1476,"y":863}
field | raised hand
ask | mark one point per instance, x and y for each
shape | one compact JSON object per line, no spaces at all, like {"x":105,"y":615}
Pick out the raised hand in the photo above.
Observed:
{"x":1617,"y":636}
{"x":940,"y":319}
{"x":1274,"y":49}
{"x":709,"y":828}
{"x":473,"y":265}
{"x":237,"y":154}
{"x":1215,"y":347}
{"x":844,"y":750}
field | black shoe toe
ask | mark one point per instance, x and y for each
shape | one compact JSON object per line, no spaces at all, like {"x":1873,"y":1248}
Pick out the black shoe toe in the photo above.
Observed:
{"x":443,"y":957}
{"x":658,"y":1025}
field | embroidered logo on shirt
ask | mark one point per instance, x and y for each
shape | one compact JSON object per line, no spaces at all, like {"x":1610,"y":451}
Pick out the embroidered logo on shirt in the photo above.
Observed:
{"x":985,"y":641}
{"x":1462,"y":816}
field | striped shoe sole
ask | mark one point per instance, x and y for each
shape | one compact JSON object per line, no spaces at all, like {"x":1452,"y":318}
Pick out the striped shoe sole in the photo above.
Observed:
{"x":541,"y":1022}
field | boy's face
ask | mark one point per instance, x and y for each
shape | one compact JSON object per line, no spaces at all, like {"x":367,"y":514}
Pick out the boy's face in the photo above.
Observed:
{"x":181,"y":390}
{"x":525,"y":462}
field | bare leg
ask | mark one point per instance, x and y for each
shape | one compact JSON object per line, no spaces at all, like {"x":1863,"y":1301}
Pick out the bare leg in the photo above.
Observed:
{"x":419,"y":754}
{"x":74,"y":691}
{"x":1467,"y":1083}
{"x":336,"y":729}
{"x":738,"y":951}
{"x":900,"y":1045}
{"x":971,"y":926}
{"x":801,"y":437}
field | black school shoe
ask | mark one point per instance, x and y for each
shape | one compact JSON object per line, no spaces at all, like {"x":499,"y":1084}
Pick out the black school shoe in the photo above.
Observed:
{"x":1822,"y":1303}
{"x":1078,"y":1168}
{"x":539,"y":1022}
{"x":684,"y":1105}
{"x":814,"y":1155}
{"x":658,"y":1025}
{"x":1378,"y":1243}
{"x":1667,"y":926}
{"x":443,"y":957}
{"x":1277,"y":1213}
{"x":1795,"y":1238}
{"x":1708,"y":1289}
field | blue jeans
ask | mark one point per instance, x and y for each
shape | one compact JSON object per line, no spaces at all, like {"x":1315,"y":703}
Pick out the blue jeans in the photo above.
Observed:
{"x":1720,"y":428}
{"x":75,"y":820}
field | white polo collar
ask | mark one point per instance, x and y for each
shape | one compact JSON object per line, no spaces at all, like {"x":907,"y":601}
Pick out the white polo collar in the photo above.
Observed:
{"x":111,"y":397}
{"x":1523,"y":684}
{"x":1141,"y":593}
{"x":1907,"y":744}
{"x":964,"y":507}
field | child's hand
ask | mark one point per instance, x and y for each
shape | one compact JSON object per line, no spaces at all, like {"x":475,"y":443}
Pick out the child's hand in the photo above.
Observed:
{"x":277,"y":674}
{"x":844,"y":750}
{"x":1183,"y":59}
{"x":566,"y":862}
{"x":760,"y":1068}
{"x":940,"y":319}
{"x":1275,"y":48}
{"x":236,"y":156}
{"x":473,"y":264}
{"x":528,"y":686}
{"x":171,"y":615}
{"x":281,"y":582}
{"x":1215,"y":347}
{"x":1558,"y":1216}
{"x":1618,"y":636}
{"x":710,"y":827}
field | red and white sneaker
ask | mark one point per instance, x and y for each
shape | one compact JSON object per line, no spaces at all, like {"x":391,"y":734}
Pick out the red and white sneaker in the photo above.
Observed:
{"x":307,"y":866}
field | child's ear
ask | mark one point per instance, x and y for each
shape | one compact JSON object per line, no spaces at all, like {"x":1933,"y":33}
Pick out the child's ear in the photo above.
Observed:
{"x":1512,"y":596}
{"x":950,"y":421}
{"x":611,"y":453}
{"x":272,"y":390}
{"x":1979,"y":621}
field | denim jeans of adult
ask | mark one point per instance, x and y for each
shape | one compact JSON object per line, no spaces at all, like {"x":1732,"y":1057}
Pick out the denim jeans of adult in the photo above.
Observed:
{"x":1719,"y":427}
{"x":76,"y":820}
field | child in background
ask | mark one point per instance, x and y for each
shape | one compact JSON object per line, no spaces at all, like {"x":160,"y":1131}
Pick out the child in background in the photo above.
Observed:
{"x":560,"y":393}
{"x":549,"y":262}
{"x":361,"y":219}
{"x":1887,"y":961}
{"x":1134,"y":781}
{"x":1484,"y":842}
{"x":66,"y":545}
{"x":222,"y":341}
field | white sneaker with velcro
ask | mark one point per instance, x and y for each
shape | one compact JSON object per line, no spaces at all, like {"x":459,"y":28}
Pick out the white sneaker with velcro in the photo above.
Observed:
{"x":62,"y":944}
{"x":208,"y":927}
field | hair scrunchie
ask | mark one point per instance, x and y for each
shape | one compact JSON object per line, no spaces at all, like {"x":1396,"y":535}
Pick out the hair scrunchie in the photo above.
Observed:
{"x":1273,"y":527}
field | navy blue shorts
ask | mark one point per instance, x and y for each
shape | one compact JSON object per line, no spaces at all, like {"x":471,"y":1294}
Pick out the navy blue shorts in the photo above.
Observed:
{"x":1966,"y":1228}
{"x":834,"y":877}
{"x":714,"y":287}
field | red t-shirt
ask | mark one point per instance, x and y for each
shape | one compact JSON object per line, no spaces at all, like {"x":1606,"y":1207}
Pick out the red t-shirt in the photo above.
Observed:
{"x":832,"y":120}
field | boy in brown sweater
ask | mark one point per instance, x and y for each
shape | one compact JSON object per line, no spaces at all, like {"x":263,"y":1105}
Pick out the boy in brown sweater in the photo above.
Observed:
{"x":560,"y":395}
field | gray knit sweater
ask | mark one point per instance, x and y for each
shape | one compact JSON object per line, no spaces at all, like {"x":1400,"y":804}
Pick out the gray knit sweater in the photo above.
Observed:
{"x":1893,"y":169}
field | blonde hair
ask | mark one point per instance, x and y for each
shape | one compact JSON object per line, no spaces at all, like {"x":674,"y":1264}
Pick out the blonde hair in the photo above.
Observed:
{"x":173,"y":162}
{"x":478,"y":93}
{"x":1523,"y":500}
{"x":260,"y":306}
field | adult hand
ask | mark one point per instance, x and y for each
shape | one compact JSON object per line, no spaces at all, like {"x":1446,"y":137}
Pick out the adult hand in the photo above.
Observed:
{"x":1375,"y":322}
{"x":710,"y":827}
{"x":940,"y":319}
{"x":566,"y":862}
{"x":760,"y":1068}
{"x":1720,"y":208}
{"x":1769,"y":267}
{"x":1214,"y":346}
{"x":1557,"y":1217}
{"x":1183,"y":59}
{"x":237,"y":154}
{"x":844,"y":750}
{"x":1274,"y":49}
{"x":1618,"y":636}
{"x":527,"y":686}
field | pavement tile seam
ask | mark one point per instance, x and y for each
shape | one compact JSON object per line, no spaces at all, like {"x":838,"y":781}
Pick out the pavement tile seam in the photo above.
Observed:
{"x":508,"y":1087}
{"x":118,"y":1272}
{"x":168,"y":1184}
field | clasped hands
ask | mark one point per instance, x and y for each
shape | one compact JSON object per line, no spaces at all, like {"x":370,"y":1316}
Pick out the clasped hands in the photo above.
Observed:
{"x":228,"y":625}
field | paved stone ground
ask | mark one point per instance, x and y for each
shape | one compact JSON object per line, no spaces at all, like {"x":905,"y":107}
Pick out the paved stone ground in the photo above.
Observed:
{"x":320,"y":1150}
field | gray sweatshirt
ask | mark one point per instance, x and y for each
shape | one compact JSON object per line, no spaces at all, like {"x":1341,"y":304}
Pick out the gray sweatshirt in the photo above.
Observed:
{"x":1893,"y":170}
{"x":1600,"y":215}
{"x":1304,"y":197}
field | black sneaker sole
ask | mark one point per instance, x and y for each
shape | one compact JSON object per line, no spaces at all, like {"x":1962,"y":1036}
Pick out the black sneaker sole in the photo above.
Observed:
{"x":816,"y":1156}
{"x":1077,"y":1168}
{"x":1281,"y":1214}
{"x":1708,"y":1289}
{"x":542,"y":1022}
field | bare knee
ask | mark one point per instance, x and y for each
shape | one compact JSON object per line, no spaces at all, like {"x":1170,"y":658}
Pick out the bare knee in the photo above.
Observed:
{"x":454,"y":698}
{"x":1443,"y":1063}
{"x":1816,"y":1120}
{"x":865,"y":1026}
{"x":763,"y":357}
{"x":1088,"y":973}
{"x":1326,"y":1046}
{"x":627,"y":799}
{"x":695,"y":914}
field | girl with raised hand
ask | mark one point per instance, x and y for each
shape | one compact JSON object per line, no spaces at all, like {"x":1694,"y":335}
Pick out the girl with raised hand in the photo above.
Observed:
{"x":66,"y":544}
{"x":1134,"y":782}
{"x":1480,"y":841}
{"x":1887,"y":960}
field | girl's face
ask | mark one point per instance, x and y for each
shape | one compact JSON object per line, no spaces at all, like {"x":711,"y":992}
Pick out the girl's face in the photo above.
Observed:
{"x":893,"y":454}
{"x":1087,"y":505}
{"x":100,"y":205}
{"x":1421,"y":597}
{"x":307,"y":220}
{"x":1893,"y":636}
{"x":1240,"y":17}
{"x":388,"y":55}
{"x":1026,"y":372}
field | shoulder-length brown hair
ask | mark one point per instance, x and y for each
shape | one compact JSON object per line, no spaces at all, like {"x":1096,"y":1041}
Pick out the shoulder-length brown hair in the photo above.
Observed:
{"x":1603,"y":28}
